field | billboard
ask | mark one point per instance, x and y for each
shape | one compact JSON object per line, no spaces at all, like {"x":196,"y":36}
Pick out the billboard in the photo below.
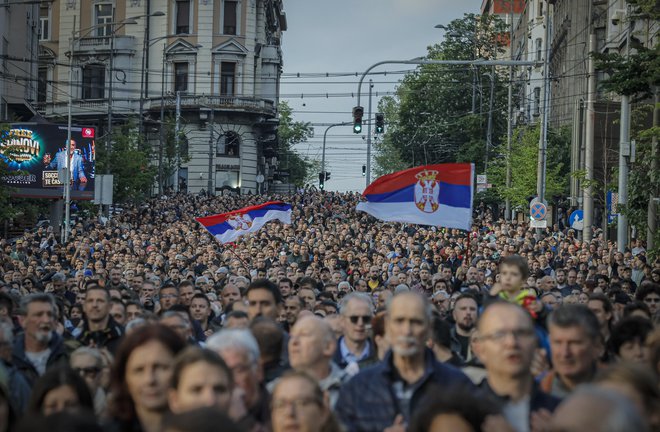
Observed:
{"x":35,"y":155}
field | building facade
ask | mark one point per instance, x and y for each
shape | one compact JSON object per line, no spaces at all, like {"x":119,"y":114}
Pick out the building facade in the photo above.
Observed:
{"x":19,"y":45}
{"x":214,"y":65}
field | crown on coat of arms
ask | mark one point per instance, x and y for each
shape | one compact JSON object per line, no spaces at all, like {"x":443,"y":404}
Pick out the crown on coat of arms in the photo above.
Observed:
{"x":426,"y":175}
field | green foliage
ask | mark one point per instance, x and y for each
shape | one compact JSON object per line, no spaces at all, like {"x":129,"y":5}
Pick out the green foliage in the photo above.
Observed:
{"x":634,"y":76}
{"x":129,"y":160}
{"x":524,"y":162}
{"x":290,"y":133}
{"x":431,"y":118}
{"x":175,"y":152}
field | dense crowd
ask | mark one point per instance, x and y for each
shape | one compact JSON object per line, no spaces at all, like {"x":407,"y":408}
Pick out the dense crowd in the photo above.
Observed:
{"x":337,"y":322}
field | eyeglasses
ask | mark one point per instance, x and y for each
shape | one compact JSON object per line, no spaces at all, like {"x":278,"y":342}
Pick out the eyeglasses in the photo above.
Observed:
{"x":652,"y":300}
{"x":366,"y":319}
{"x":296,"y":404}
{"x":517,"y":334}
{"x":88,"y":371}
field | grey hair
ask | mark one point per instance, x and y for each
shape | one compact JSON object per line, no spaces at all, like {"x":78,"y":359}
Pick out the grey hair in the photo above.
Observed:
{"x":358,"y":296}
{"x":7,"y":332}
{"x":92,"y":352}
{"x":576,"y":315}
{"x":428,"y":307}
{"x":235,"y":339}
{"x":37,"y":298}
{"x":344,"y":284}
{"x":135,"y":323}
{"x":622,"y":415}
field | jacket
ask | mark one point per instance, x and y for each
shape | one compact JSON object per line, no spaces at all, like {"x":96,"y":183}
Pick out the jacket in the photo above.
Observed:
{"x":108,"y":338}
{"x":59,"y":355}
{"x":372,"y":358}
{"x":538,"y":399}
{"x":367,"y":403}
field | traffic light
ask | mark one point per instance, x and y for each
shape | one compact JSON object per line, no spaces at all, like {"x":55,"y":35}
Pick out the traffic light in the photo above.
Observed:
{"x":364,"y":170}
{"x":380,"y":123}
{"x":327,"y":175}
{"x":358,"y":112}
{"x":321,"y":180}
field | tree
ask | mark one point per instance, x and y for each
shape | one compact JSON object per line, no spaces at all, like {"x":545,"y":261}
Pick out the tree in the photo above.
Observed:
{"x":290,"y":133}
{"x":175,"y":150}
{"x":129,"y":160}
{"x":524,"y":159}
{"x":432,"y":119}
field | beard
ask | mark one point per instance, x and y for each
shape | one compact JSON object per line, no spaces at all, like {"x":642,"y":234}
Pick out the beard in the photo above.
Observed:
{"x":405,"y":346}
{"x":43,"y":336}
{"x":466,"y":325}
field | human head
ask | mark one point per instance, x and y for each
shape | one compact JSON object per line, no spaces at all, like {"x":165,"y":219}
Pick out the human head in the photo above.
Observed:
{"x":590,"y":408}
{"x":264,"y":299}
{"x":230,"y":294}
{"x":408,"y":323}
{"x":356,"y":310}
{"x":465,"y":312}
{"x":200,"y":378}
{"x":240,"y":350}
{"x":186,"y":292}
{"x":118,"y":311}
{"x":311,"y":343}
{"x":575,"y":342}
{"x":601,"y":306}
{"x":513,"y":272}
{"x":168,"y":296}
{"x":38,"y":317}
{"x":142,"y":371}
{"x":200,"y":308}
{"x":293,"y":305}
{"x":628,"y":339}
{"x":204,"y":419}
{"x":298,"y":404}
{"x":506,"y":340}
{"x":88,"y":362}
{"x":649,"y":293}
{"x":59,"y":389}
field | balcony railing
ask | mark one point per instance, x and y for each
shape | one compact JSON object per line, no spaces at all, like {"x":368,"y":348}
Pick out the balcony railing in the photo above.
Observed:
{"x":102,"y":43}
{"x":223,"y":102}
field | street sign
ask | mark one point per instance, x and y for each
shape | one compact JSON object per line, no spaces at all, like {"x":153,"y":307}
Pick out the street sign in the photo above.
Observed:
{"x":481,"y":179}
{"x":538,"y":223}
{"x":538,"y":211}
{"x":576,"y":220}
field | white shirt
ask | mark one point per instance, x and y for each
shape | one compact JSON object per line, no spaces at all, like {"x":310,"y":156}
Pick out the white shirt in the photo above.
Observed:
{"x":517,"y":413}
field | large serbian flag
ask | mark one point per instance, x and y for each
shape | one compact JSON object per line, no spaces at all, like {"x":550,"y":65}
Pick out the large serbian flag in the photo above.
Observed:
{"x":227,"y":227}
{"x":438,"y":195}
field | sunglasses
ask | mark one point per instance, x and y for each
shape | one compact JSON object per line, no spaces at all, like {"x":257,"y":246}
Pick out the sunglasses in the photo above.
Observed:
{"x":366,"y":319}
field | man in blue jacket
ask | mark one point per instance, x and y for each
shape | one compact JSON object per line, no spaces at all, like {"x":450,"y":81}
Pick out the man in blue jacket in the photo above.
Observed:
{"x":383,"y":397}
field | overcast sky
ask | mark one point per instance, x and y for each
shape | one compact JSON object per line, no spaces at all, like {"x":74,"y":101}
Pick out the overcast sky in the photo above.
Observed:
{"x":348,"y":36}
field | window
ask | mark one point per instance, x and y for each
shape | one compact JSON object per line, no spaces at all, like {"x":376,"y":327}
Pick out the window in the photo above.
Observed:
{"x":537,"y":101}
{"x":93,"y":82}
{"x":44,"y":23}
{"x":229,"y":17}
{"x":226,"y":179}
{"x":228,"y":144}
{"x":227,"y":78}
{"x":181,"y":77}
{"x":42,"y":84}
{"x":104,"y":13}
{"x":539,"y":49}
{"x":182,"y":15}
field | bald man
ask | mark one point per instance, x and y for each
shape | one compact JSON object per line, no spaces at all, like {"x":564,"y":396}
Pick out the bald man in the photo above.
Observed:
{"x":311,"y":347}
{"x":506,"y":345}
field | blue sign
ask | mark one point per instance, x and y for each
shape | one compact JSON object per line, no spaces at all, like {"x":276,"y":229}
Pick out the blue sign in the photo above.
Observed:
{"x":612,"y":201}
{"x":538,"y":211}
{"x":576,"y":220}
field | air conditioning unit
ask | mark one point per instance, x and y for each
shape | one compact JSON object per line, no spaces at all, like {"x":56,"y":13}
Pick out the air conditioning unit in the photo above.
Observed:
{"x":262,"y":160}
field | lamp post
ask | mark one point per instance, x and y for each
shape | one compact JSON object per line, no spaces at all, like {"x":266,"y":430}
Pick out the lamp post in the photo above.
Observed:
{"x":144,"y":72}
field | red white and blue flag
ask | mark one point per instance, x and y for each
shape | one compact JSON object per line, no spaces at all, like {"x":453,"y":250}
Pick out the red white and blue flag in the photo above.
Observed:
{"x":437,"y":195}
{"x":227,"y":227}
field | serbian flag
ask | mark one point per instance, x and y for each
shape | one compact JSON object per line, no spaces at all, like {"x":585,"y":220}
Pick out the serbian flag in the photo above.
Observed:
{"x":437,"y":195}
{"x":227,"y":227}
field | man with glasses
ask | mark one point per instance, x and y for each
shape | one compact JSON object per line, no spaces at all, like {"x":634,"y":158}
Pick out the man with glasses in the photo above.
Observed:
{"x":506,"y":345}
{"x":355,"y":350}
{"x":88,"y":362}
{"x":168,"y":297}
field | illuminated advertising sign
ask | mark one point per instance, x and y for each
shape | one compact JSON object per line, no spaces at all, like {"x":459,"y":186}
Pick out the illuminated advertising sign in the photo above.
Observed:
{"x":35,"y":155}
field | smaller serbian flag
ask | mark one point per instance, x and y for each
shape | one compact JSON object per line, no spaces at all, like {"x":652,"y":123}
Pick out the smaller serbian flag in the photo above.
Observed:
{"x":438,"y":195}
{"x":227,"y":227}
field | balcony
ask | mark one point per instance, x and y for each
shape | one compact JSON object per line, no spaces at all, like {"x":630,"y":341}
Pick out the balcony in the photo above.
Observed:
{"x":87,"y":45}
{"x":220,"y":103}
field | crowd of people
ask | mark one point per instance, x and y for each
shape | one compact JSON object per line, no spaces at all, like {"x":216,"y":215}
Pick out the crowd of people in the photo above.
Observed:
{"x":337,"y":322}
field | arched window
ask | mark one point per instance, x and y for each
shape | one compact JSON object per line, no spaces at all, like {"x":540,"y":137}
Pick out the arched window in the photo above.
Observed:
{"x":228,"y":144}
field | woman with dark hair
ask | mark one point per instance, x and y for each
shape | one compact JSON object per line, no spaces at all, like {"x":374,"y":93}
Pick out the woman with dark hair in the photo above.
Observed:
{"x":59,"y":389}
{"x":141,"y":376}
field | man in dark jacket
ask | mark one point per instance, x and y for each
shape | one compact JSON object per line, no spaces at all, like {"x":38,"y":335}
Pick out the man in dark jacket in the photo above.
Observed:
{"x":386,"y":394}
{"x":506,"y":345}
{"x":39,"y":347}
{"x":99,"y":329}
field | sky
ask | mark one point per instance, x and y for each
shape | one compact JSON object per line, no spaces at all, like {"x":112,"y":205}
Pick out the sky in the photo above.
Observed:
{"x":348,"y":36}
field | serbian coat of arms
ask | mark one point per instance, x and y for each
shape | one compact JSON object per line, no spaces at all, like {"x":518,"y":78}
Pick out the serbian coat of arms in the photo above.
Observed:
{"x":240,"y":221}
{"x":427,"y":191}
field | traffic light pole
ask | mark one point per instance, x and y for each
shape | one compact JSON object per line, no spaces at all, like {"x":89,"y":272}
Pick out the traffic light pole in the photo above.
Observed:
{"x":371,"y":86}
{"x":421,"y":61}
{"x":325,"y":135}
